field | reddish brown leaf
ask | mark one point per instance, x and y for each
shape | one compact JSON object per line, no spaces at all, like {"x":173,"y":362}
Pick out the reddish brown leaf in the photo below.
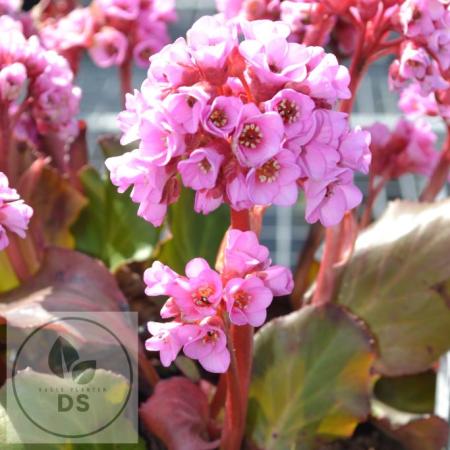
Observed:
{"x":428,"y":433}
{"x":178,"y":414}
{"x":55,"y":201}
{"x":67,"y":281}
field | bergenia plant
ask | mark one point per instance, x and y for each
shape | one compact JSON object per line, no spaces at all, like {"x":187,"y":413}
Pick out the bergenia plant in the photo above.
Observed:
{"x":252,"y":109}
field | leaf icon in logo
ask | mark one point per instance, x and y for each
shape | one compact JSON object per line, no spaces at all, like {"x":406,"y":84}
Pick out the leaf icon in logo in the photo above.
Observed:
{"x":84,"y":371}
{"x":61,"y":357}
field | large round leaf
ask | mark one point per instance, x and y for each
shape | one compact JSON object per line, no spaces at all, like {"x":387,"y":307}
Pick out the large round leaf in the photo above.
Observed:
{"x":397,"y":282}
{"x":311,"y":378}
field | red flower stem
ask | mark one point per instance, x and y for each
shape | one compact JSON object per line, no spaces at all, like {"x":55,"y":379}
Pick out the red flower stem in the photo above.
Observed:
{"x":238,"y":375}
{"x":440,"y":174}
{"x":373,"y":194}
{"x":326,"y":278}
{"x":219,"y":397}
{"x":357,"y":70}
{"x":126,"y":84}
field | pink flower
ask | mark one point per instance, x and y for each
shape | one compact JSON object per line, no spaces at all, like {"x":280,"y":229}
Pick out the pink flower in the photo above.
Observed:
{"x":247,"y":301}
{"x":12,"y":79}
{"x":10,"y":6}
{"x":209,"y":346}
{"x":230,"y":8}
{"x":354,"y":150}
{"x":317,"y":159}
{"x":201,"y":169}
{"x":159,"y":141}
{"x":243,"y":254}
{"x":148,"y":182}
{"x":186,"y":108}
{"x":207,"y":200}
{"x":278,"y":279}
{"x":275,"y":181}
{"x":173,"y":65}
{"x":165,"y":340}
{"x":211,"y":41}
{"x":159,"y":278}
{"x":237,"y":193}
{"x":414,"y":62}
{"x":414,"y":104}
{"x":277,"y":62}
{"x":129,"y":120}
{"x":418,"y":17}
{"x":439,"y":43}
{"x":109,"y":47}
{"x":295,"y":109}
{"x":327,"y":79}
{"x":409,"y":148}
{"x":258,"y":136}
{"x":222,"y":116}
{"x":120,"y":9}
{"x":70,"y":31}
{"x":198,"y":295}
{"x":330,"y":126}
{"x":265,"y":31}
{"x":14,"y":213}
{"x":144,"y":49}
{"x":328,"y":200}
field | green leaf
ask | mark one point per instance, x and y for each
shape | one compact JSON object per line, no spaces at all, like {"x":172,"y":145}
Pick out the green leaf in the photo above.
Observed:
{"x":311,"y":379}
{"x":411,"y":393}
{"x":109,"y":227}
{"x":62,"y":356}
{"x":46,"y":410}
{"x":193,"y":235}
{"x":397,"y":282}
{"x":8,"y":280}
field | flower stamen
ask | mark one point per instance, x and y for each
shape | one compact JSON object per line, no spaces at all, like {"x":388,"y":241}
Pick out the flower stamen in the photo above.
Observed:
{"x":250,"y":136}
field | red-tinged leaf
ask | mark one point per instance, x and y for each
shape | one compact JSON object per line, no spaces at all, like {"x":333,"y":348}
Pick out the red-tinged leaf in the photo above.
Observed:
{"x":427,"y":433}
{"x":56,"y":203}
{"x":397,"y":281}
{"x":67,"y":281}
{"x":178,"y":414}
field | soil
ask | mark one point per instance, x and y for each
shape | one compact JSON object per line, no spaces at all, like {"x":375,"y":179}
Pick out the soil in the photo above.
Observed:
{"x":366,"y":437}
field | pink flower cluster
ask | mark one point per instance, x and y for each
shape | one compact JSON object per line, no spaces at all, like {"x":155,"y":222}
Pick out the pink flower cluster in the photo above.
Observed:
{"x":409,"y":148}
{"x":14,"y":213}
{"x":245,"y":122}
{"x":9,"y":6}
{"x":36,"y":87}
{"x":204,"y":302}
{"x":425,"y":53}
{"x":111,"y":30}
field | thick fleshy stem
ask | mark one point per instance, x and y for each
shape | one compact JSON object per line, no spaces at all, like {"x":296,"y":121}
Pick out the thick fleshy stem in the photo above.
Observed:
{"x":357,"y":70}
{"x":238,"y":375}
{"x":374,"y":191}
{"x":323,"y":293}
{"x":440,"y":174}
{"x":125,"y":72}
